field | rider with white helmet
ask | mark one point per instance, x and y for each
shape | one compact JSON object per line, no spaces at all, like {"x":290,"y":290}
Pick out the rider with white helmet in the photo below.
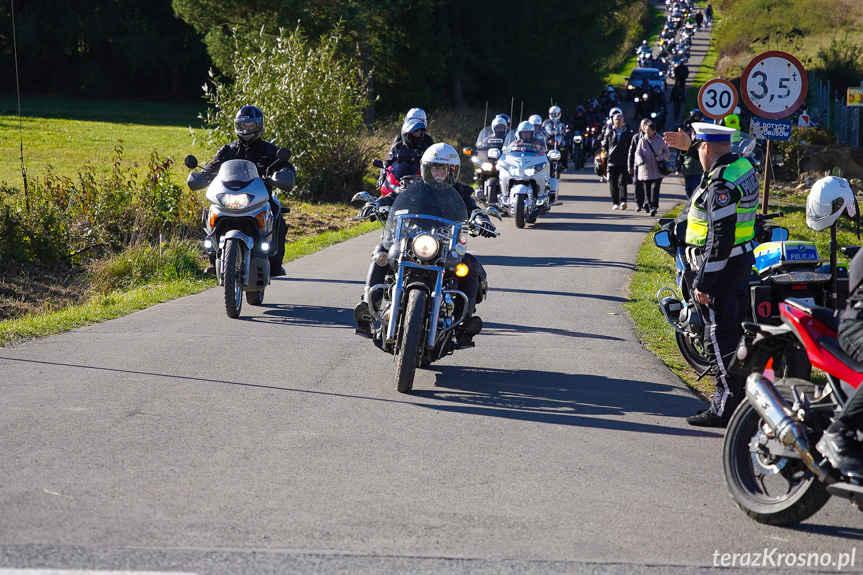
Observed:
{"x":440,"y":164}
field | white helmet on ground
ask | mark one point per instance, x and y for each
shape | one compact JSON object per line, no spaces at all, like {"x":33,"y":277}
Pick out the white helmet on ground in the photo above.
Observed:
{"x":827,"y":200}
{"x":440,"y":162}
{"x":554,"y":113}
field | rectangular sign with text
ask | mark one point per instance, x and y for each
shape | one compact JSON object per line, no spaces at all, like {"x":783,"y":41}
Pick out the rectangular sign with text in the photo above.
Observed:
{"x":771,"y":129}
{"x":855,"y":97}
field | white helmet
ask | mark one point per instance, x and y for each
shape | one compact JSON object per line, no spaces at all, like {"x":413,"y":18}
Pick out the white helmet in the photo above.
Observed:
{"x":417,"y":114}
{"x":440,"y":155}
{"x":827,"y":200}
{"x":554,"y":113}
{"x":536,"y":120}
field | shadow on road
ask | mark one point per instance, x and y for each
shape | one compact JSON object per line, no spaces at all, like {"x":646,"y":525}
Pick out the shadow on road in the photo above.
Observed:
{"x":551,"y":261}
{"x":559,"y":293}
{"x":505,"y":329}
{"x":830,"y":530}
{"x":560,"y":399}
{"x":304,"y":316}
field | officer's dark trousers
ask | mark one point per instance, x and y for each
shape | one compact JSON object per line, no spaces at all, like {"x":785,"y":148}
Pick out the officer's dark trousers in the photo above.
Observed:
{"x":851,"y":341}
{"x":468,"y":284}
{"x":722,"y":318}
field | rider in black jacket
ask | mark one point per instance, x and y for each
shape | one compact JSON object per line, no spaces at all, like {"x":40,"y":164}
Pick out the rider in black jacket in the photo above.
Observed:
{"x":441,"y":163}
{"x":248,"y":125}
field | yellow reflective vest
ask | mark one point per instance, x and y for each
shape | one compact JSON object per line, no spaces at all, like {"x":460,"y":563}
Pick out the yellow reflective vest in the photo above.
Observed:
{"x":741,"y":175}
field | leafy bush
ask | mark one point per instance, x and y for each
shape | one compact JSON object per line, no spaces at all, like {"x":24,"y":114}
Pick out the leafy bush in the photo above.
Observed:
{"x":65,"y":219}
{"x":841,"y":63}
{"x":313,"y":100}
{"x":801,"y":139}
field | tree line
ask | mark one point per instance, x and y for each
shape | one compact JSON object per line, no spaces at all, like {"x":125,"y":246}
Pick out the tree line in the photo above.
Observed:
{"x":428,"y":53}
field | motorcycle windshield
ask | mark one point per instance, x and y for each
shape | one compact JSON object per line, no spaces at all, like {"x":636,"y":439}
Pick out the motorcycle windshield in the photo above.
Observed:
{"x":428,"y":199}
{"x":237,"y":171}
{"x":535,"y":145}
{"x":487,"y":140}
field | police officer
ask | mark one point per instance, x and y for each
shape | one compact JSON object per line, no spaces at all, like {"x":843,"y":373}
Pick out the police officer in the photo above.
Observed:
{"x":249,"y":125}
{"x":719,"y":233}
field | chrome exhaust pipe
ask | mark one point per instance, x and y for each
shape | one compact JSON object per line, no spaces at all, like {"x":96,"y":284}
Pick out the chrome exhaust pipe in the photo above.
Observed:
{"x":773,"y":409}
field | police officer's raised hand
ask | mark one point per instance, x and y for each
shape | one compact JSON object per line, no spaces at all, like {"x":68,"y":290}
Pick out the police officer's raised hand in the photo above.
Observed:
{"x":678,"y":139}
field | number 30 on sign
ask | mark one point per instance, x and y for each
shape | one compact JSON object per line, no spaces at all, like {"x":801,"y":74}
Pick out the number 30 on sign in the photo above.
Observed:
{"x":717,"y":98}
{"x":773,"y":85}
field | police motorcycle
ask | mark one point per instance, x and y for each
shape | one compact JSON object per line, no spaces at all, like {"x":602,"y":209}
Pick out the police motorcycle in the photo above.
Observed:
{"x":415,"y":317}
{"x":527,"y":188}
{"x":240,"y":225}
{"x":773,"y":464}
{"x":782,"y":269}
{"x":484,"y":157}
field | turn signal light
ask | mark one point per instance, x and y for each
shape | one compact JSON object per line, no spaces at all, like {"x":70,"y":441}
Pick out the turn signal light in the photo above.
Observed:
{"x":260,"y":217}
{"x":461,"y":270}
{"x":213,"y":218}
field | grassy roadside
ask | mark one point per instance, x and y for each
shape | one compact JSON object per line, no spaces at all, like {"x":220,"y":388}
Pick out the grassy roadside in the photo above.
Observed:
{"x":103,"y":307}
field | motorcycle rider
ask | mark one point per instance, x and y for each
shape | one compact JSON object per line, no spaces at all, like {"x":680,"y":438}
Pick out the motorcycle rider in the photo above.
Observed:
{"x":498,"y":132}
{"x":526,"y":135}
{"x":439,"y":163}
{"x":412,"y":135}
{"x":551,"y":128}
{"x":720,"y":228}
{"x":249,"y":125}
{"x":827,"y":200}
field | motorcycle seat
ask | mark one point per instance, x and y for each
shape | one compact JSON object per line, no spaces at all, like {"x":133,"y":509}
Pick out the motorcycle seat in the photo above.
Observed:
{"x":823,"y":314}
{"x":832,"y":346}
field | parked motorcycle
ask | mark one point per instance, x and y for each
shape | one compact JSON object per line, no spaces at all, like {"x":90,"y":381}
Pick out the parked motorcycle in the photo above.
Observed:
{"x":782,"y":269}
{"x":527,"y":188}
{"x":415,"y":316}
{"x":485,"y":177}
{"x":772,"y":469}
{"x":241,"y":225}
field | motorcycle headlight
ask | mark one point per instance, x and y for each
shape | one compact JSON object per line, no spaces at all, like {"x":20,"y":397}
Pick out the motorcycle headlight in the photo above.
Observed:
{"x":234,"y":201}
{"x":530,"y":172}
{"x":576,"y":139}
{"x":425,"y":246}
{"x":487,"y":167}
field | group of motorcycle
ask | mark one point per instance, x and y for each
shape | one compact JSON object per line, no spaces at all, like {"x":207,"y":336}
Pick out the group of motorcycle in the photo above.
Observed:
{"x":772,"y":468}
{"x":516,"y":177}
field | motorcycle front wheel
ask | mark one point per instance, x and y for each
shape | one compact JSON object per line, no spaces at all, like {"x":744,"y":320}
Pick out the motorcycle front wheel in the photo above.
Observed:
{"x":692,"y":351}
{"x":412,"y":329}
{"x":770,"y":489}
{"x":519,"y":210}
{"x":233,"y":266}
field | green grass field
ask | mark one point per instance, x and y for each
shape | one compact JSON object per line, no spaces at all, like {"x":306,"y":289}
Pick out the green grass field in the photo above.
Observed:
{"x":63,"y":134}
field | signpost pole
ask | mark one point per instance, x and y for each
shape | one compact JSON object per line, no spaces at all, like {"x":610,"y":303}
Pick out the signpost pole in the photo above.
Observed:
{"x":768,"y":175}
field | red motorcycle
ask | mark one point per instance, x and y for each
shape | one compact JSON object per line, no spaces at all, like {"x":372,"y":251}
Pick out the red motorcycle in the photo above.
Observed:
{"x":772,"y":469}
{"x":405,"y":163}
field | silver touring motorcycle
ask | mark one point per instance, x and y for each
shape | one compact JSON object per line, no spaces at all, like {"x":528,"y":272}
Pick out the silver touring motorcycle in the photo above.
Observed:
{"x":415,"y":317}
{"x":240,"y":225}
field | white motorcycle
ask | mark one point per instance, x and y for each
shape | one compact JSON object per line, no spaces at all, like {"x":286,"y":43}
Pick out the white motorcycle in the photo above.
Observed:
{"x":241,"y":226}
{"x":527,"y":189}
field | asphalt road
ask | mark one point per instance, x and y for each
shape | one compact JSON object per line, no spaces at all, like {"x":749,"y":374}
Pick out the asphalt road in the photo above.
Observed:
{"x":178,"y":440}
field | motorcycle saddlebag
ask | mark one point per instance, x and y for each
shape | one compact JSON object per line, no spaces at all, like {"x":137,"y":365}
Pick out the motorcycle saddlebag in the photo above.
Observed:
{"x":762,"y":304}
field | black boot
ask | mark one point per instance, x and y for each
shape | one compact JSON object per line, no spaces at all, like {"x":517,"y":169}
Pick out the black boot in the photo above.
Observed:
{"x":469,"y":328}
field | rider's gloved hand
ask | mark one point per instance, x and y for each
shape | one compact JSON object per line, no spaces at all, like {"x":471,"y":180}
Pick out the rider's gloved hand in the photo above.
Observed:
{"x":483,"y":226}
{"x":368,"y":211}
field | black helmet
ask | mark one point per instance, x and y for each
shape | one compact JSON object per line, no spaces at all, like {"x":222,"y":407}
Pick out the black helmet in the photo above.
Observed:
{"x":695,"y":112}
{"x":579,"y":109}
{"x":249,"y":123}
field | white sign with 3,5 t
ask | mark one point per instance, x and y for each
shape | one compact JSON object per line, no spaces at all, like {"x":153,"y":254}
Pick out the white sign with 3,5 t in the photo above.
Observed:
{"x":774,"y":85}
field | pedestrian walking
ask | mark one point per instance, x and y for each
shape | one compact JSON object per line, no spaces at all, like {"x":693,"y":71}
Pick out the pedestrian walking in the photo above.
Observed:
{"x":649,"y":152}
{"x":615,"y":144}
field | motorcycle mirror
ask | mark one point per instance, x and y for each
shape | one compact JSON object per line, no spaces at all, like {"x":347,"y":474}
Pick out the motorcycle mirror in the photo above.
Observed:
{"x":779,"y":234}
{"x":284,"y":154}
{"x":378,"y":163}
{"x":283,"y":180}
{"x":662,"y":239}
{"x":363,"y":197}
{"x":191,"y":162}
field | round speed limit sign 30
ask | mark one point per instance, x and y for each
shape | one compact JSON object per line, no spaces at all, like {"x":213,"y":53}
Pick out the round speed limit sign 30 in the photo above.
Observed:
{"x":773,"y":85}
{"x":717,"y":98}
